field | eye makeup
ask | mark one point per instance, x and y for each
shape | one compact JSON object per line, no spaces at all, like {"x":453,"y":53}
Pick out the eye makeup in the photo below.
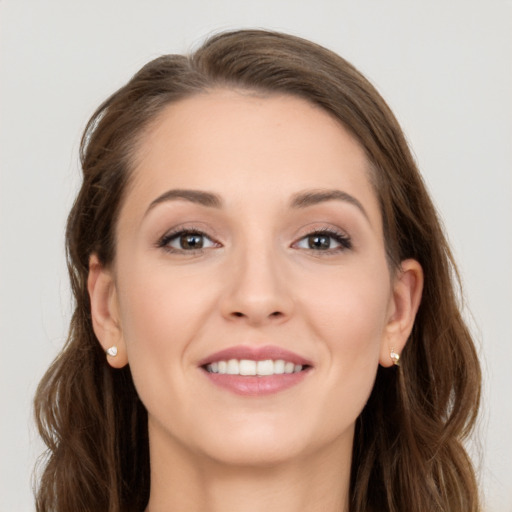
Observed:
{"x":325,"y":240}
{"x":187,"y":240}
{"x":191,"y":240}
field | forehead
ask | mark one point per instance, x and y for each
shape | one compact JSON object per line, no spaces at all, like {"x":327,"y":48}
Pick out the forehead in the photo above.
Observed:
{"x":241,"y":145}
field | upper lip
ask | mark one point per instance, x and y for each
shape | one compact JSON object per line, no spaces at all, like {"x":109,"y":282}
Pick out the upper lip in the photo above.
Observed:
{"x":255,"y":353}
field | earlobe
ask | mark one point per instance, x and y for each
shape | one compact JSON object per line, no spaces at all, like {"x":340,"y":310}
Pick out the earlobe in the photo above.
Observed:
{"x":104,"y":313}
{"x":407,"y":290}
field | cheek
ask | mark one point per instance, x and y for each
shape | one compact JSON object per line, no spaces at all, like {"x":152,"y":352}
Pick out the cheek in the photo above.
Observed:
{"x":147,"y":316}
{"x":350,"y":309}
{"x":160,"y":317}
{"x":160,"y":309}
{"x":349,"y":319}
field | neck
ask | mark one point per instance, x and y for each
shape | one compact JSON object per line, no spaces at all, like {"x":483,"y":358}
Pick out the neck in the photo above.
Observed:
{"x":310,"y":483}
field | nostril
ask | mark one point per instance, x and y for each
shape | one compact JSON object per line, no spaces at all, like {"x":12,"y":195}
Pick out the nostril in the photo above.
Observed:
{"x":275,"y":314}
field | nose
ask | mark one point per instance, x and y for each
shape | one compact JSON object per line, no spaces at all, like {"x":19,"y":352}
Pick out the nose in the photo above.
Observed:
{"x":257,"y":291}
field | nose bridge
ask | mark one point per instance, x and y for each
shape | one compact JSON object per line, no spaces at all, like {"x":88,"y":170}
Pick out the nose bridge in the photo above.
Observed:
{"x":257,"y":289}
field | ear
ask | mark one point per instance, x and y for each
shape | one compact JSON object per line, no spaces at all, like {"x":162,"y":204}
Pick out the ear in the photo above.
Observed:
{"x":105,"y":311}
{"x":407,"y":290}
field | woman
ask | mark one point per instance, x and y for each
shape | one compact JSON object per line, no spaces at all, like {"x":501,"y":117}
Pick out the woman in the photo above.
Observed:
{"x":265,"y":315}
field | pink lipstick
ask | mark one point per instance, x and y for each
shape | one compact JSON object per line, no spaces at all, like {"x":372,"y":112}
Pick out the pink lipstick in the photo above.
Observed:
{"x":255,"y":371}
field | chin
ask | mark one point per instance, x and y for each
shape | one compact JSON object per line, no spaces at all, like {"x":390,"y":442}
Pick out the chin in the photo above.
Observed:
{"x":256,"y":451}
{"x":267,"y":444}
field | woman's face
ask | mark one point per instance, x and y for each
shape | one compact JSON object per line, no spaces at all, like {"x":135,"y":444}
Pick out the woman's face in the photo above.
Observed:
{"x":250,"y":232}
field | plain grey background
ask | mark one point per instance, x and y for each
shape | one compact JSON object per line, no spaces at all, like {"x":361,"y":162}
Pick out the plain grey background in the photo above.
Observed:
{"x":445,"y":67}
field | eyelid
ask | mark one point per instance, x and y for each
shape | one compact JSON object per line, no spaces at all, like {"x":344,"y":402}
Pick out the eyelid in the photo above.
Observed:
{"x":163,"y":241}
{"x":342,"y":238}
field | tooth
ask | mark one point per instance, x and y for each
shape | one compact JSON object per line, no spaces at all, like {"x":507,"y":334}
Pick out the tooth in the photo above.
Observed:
{"x":233,"y":367}
{"x":247,"y":367}
{"x":289,"y":367}
{"x":250,"y":367}
{"x":265,"y":367}
{"x":279,"y":367}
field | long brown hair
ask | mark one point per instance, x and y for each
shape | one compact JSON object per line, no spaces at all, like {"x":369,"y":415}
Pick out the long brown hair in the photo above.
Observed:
{"x":408,"y":452}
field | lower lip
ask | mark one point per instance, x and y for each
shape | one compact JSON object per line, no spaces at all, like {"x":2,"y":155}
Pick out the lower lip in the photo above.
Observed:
{"x":256,"y":386}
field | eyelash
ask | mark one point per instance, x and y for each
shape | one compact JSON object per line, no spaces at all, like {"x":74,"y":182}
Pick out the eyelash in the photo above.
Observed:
{"x":164,"y":242}
{"x":344,"y":241}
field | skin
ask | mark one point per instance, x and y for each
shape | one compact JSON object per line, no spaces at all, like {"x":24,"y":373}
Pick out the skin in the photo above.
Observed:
{"x":257,"y":281}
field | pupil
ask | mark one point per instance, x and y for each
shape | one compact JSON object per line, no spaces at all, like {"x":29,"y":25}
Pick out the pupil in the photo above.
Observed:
{"x":319,"y":242}
{"x":191,"y":241}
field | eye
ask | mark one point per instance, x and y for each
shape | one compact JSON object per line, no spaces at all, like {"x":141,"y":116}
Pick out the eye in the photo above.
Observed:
{"x":186,"y":241}
{"x":324,"y":241}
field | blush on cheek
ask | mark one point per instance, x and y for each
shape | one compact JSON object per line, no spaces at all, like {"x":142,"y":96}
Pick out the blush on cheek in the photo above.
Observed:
{"x":351,"y":314}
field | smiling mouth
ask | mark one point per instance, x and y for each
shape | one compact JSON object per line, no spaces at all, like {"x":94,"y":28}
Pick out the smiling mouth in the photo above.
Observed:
{"x":249,"y":367}
{"x":255,"y":370}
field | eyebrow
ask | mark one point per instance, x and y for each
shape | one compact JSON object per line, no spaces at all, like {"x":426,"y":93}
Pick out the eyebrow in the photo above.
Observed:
{"x":317,"y":196}
{"x":300,"y":200}
{"x":194,"y":196}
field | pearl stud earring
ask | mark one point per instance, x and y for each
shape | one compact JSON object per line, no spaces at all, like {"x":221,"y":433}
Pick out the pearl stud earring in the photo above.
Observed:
{"x":112,"y":351}
{"x":394,"y":357}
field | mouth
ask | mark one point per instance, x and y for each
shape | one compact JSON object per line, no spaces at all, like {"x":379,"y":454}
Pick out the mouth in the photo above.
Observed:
{"x":255,"y":371}
{"x":251,"y":367}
